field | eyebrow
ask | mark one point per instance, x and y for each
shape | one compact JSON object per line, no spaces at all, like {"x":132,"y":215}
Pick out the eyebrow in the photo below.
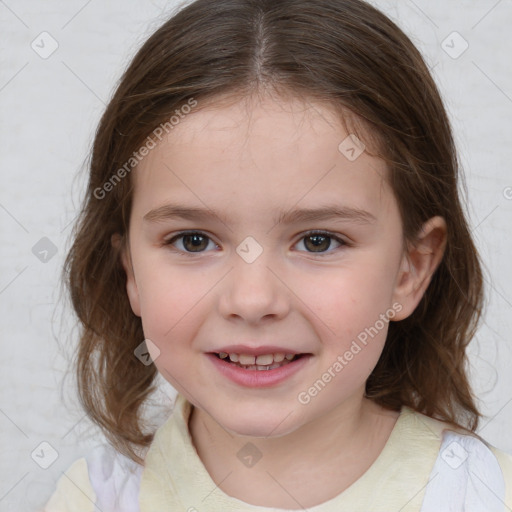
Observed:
{"x":328,"y":212}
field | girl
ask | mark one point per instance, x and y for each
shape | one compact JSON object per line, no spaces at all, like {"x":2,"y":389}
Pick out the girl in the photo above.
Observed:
{"x":272,"y":223}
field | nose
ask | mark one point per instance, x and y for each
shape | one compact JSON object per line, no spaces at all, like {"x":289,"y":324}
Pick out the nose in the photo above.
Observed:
{"x":254,"y":292}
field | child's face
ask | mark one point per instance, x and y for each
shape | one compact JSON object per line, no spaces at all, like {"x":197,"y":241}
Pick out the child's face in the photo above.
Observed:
{"x":249,"y":165}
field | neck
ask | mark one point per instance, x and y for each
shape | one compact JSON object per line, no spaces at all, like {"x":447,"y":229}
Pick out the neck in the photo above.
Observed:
{"x":304,"y":468}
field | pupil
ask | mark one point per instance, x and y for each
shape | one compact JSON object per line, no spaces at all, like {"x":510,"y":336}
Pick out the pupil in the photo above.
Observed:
{"x":318,"y":240}
{"x":197,"y":242}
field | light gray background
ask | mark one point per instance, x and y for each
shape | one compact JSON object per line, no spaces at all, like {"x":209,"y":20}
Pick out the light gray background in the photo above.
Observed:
{"x":49,"y":111}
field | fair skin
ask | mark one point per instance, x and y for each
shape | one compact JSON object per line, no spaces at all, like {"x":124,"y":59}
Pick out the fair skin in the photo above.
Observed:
{"x":248,"y":161}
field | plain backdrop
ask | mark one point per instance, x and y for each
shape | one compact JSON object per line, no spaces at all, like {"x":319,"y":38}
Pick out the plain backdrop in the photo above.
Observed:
{"x":50,"y":104}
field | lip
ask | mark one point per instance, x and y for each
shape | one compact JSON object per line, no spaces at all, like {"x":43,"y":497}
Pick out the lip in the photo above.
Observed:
{"x":255,"y":351}
{"x":258,"y":378}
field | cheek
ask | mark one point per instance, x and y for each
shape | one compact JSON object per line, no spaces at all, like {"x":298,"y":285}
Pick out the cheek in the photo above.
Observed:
{"x":349,"y":299}
{"x":352,"y":308}
{"x":351,"y":317}
{"x":170,"y":300}
{"x":171,"y":318}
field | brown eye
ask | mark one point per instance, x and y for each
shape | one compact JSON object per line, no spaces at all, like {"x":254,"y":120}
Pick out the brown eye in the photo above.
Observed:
{"x":195,"y":243}
{"x":320,"y":242}
{"x":192,"y":242}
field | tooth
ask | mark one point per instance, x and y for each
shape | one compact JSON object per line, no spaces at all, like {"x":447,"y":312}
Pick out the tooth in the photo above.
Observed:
{"x":234,"y":358}
{"x":265,"y":359}
{"x":278,"y":357}
{"x":223,"y":355}
{"x":246,"y":359}
{"x":289,"y":356}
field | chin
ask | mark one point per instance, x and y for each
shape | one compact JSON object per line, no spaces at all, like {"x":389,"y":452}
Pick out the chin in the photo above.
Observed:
{"x":258,"y":423}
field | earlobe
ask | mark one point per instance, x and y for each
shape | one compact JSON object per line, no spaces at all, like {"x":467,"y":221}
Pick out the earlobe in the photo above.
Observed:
{"x":131,"y":285}
{"x":418,"y":265}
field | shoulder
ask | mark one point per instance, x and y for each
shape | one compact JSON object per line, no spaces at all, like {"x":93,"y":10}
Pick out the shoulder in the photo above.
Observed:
{"x":104,"y":480}
{"x":505,"y":461}
{"x":74,"y":492}
{"x":468,"y":474}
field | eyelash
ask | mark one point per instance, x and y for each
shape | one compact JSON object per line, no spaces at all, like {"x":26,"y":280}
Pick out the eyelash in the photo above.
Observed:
{"x":325,"y":234}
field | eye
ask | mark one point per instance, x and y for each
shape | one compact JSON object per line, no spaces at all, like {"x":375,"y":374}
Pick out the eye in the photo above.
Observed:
{"x":190,"y":242}
{"x":320,"y":241}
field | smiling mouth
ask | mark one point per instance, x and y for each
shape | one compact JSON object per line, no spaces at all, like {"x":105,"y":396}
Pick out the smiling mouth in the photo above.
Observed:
{"x":262,"y":362}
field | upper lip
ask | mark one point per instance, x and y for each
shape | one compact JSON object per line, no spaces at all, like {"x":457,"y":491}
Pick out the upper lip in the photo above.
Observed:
{"x":255,"y":351}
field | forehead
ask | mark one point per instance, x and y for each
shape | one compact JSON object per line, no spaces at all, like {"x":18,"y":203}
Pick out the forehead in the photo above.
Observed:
{"x":277,"y":150}
{"x":276,"y":120}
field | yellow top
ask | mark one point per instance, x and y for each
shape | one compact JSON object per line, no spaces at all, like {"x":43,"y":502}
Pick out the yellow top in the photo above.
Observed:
{"x":413,"y":464}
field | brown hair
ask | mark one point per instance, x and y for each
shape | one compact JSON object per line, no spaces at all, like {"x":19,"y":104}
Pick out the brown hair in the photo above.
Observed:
{"x":344,"y":52}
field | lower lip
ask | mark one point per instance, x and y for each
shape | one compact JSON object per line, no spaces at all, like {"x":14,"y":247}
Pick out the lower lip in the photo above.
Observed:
{"x":258,"y":378}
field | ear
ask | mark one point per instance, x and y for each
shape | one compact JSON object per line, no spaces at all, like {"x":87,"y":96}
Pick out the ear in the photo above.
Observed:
{"x":418,"y":265}
{"x":132,"y":290}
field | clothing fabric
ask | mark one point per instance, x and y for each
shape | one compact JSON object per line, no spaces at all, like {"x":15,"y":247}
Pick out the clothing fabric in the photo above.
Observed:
{"x":424,"y":467}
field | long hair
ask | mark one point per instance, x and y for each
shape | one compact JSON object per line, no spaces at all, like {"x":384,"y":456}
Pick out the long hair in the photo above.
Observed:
{"x":346,"y":53}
